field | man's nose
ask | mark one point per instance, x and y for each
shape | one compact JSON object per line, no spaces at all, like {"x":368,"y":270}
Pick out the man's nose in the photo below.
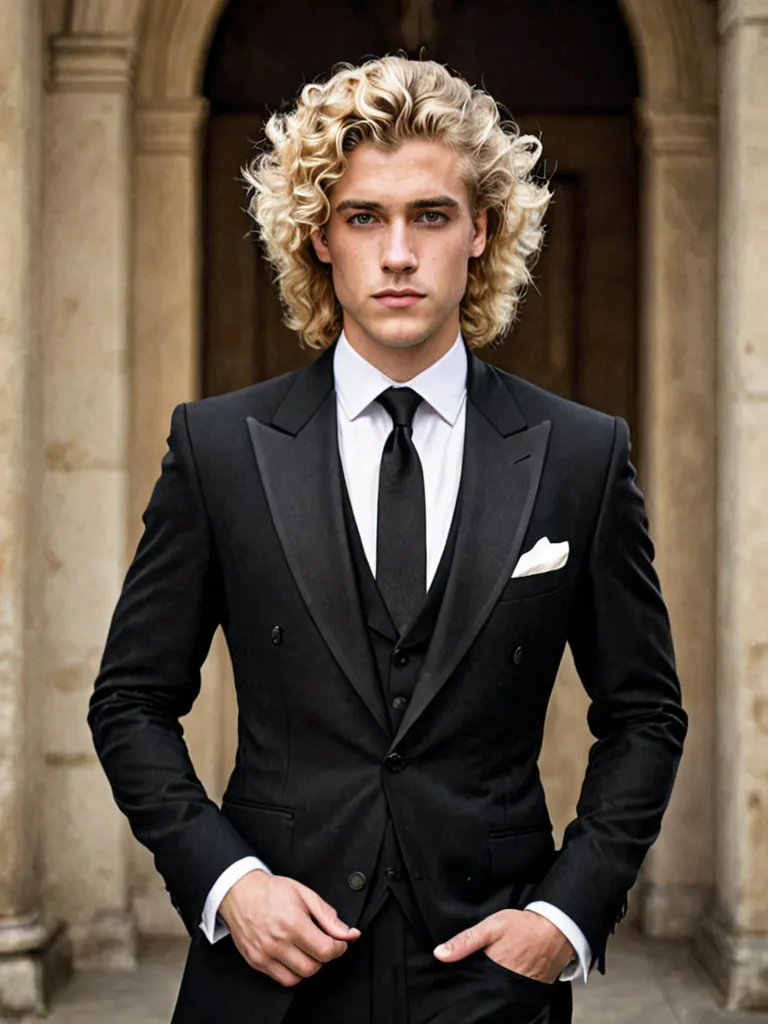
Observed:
{"x":398,"y":254}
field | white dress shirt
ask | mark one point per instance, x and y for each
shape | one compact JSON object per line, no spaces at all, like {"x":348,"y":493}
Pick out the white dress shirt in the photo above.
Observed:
{"x":438,"y":435}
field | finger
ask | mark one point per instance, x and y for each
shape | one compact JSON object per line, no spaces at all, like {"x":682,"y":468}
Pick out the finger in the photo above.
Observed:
{"x":464,"y":943}
{"x":327,"y":918}
{"x":316,"y":942}
{"x":321,"y":947}
{"x":297,"y":961}
{"x":282,"y":974}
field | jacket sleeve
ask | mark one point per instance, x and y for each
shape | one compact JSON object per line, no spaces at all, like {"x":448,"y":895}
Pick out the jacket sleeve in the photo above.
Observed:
{"x":622,"y":648}
{"x":159,"y":636}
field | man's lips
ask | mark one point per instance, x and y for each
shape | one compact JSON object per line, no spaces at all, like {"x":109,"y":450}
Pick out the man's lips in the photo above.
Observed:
{"x":398,"y":299}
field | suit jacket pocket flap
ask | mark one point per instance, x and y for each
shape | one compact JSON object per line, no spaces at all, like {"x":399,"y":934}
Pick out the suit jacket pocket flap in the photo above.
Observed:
{"x":267,"y":828}
{"x":521,"y":855}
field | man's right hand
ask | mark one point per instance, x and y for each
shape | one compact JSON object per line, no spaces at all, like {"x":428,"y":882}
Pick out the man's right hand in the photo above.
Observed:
{"x":283,"y":928}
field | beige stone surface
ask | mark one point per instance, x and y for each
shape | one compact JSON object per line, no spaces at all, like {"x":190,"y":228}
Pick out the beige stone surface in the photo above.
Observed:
{"x":166,"y":305}
{"x":84,"y":882}
{"x":736,"y":937}
{"x":20,"y":470}
{"x":678,"y":403}
{"x":743,"y":719}
{"x":84,"y":558}
{"x":566,"y":745}
{"x":85,"y":379}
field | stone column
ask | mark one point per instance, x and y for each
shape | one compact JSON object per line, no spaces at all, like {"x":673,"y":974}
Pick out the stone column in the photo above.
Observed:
{"x":86,"y":328}
{"x":33,"y":947}
{"x":165,"y":370}
{"x":165,"y":350}
{"x":678,"y":474}
{"x":734,"y":943}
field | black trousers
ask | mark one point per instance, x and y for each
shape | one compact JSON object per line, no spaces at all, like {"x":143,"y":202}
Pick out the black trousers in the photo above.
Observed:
{"x":390,"y":976}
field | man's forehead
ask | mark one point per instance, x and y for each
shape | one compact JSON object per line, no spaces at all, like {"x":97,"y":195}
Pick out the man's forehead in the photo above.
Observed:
{"x":415,"y":171}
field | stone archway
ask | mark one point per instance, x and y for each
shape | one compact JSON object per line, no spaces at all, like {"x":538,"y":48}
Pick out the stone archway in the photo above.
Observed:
{"x":121,"y":343}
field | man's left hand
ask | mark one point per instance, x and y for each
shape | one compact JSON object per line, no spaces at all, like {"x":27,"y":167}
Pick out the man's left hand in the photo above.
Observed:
{"x":520,"y":940}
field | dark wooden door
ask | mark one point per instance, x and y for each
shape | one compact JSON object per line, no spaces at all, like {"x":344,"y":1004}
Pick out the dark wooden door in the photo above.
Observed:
{"x":577,"y":330}
{"x":245,"y":339}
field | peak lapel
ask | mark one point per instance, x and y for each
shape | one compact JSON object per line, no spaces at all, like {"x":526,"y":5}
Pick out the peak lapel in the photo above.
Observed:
{"x":298,"y":459}
{"x":501,"y":471}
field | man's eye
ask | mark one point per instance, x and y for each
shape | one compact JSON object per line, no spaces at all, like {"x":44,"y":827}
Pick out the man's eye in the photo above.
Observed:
{"x":354,"y":218}
{"x":440,"y":217}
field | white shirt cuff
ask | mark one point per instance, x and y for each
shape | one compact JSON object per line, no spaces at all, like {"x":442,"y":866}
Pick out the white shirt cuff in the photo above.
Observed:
{"x":575,"y":966}
{"x":213,"y":926}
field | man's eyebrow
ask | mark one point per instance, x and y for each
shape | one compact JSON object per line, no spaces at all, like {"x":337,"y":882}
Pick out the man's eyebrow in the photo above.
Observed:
{"x":417,"y":204}
{"x":425,"y":204}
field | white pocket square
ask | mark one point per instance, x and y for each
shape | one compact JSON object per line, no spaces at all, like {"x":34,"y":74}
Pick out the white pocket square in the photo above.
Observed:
{"x":544,"y":556}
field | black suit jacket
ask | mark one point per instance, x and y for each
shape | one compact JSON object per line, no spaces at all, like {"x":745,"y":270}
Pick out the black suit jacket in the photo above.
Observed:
{"x":245,"y":529}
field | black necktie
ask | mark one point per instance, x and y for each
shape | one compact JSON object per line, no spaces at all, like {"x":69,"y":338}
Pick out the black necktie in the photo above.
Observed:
{"x":401,"y":532}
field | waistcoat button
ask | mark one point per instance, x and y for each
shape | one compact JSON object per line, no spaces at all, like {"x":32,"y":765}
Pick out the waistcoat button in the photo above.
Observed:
{"x":392,"y":874}
{"x":356,"y":881}
{"x":400,"y":658}
{"x":518,"y":655}
{"x":277,"y":634}
{"x":399,"y":703}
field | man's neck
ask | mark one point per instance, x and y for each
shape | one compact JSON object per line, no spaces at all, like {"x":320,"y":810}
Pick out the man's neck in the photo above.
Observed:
{"x":402,"y":364}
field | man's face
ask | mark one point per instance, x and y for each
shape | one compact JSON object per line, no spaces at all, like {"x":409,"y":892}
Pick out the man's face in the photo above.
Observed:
{"x":400,"y":222}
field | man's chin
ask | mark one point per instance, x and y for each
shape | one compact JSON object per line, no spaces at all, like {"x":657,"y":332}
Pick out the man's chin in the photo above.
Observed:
{"x":407,"y":342}
{"x":399,"y":335}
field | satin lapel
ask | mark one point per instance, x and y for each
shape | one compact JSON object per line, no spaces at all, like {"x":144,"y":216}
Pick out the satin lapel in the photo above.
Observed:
{"x":298,"y":459}
{"x":501,"y":470}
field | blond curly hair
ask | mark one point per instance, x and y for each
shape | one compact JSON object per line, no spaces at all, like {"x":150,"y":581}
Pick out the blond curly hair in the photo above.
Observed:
{"x":387,"y":101}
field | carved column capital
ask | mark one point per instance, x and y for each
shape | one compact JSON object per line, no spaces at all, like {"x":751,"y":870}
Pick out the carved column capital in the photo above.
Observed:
{"x":679,"y":132}
{"x":91,"y":63}
{"x":169,"y":126}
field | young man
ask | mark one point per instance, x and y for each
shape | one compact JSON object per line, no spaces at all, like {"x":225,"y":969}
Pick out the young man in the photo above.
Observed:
{"x":398,"y":542}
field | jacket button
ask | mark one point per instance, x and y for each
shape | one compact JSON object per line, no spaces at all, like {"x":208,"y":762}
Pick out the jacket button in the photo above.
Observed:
{"x":400,"y":658}
{"x":392,"y":874}
{"x":518,"y":655}
{"x":394,"y":762}
{"x":356,"y":881}
{"x":400,"y":703}
{"x":277,"y":634}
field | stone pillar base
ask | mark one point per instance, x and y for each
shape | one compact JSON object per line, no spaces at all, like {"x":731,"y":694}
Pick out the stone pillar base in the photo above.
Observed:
{"x":108,"y":942}
{"x":738,"y":963}
{"x":35,"y":961}
{"x":673,"y":911}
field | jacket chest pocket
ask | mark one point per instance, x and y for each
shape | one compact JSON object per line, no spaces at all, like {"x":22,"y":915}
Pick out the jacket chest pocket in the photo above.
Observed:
{"x":538,"y":585}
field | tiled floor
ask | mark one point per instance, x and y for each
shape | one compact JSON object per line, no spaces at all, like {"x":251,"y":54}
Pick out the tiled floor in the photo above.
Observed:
{"x":646,"y":983}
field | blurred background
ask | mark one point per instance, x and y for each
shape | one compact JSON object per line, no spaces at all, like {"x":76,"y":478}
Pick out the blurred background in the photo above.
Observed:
{"x":130,"y":281}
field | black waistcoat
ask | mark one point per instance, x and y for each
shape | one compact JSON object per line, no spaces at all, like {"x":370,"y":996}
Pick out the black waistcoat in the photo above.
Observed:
{"x":398,"y":661}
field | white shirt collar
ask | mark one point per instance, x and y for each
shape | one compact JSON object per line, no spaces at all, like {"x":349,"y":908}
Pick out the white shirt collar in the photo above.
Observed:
{"x":442,"y":385}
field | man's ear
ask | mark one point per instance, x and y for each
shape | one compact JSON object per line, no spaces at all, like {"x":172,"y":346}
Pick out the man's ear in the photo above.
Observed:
{"x":320,"y":244}
{"x":480,"y":234}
